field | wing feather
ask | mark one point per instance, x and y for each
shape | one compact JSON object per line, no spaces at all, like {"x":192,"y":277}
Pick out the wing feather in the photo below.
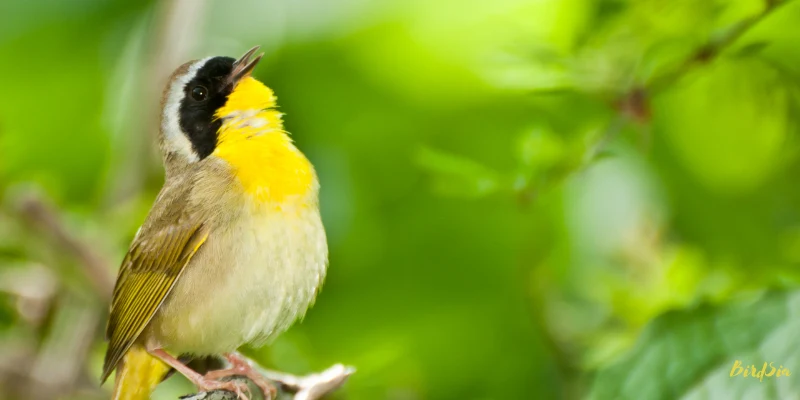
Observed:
{"x":148,"y":273}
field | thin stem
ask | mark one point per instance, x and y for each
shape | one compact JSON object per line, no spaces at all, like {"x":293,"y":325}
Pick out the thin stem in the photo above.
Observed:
{"x":47,"y":220}
{"x":711,"y":50}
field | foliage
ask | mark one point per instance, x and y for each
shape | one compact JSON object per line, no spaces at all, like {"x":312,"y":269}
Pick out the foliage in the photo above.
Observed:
{"x":691,"y":354}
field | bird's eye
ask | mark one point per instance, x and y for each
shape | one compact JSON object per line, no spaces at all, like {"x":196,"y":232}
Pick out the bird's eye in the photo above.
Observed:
{"x":199,"y":93}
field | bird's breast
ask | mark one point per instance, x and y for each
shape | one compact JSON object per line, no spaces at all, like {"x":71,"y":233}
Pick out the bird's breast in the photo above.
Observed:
{"x":263,"y":159}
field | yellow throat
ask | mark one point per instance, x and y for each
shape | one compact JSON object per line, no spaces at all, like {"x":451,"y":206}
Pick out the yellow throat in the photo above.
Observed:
{"x":264,"y":159}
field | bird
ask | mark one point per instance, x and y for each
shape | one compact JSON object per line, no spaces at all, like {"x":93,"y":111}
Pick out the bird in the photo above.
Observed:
{"x":233,"y":250}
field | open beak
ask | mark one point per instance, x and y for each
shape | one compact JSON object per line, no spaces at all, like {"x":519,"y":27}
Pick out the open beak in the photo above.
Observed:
{"x":243,"y":66}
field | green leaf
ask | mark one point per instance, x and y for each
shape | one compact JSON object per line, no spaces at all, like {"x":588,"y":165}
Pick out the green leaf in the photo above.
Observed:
{"x":690,"y":354}
{"x":751,"y":49}
{"x":457,"y":176}
{"x":727,"y":124}
{"x":539,"y":148}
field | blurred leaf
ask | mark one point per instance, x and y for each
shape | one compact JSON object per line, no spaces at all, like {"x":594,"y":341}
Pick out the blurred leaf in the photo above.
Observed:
{"x":751,"y":49}
{"x":690,"y":354}
{"x":728,"y":123}
{"x":456,"y":175}
{"x":539,"y":148}
{"x":539,"y":71}
{"x":780,"y":31}
{"x":603,"y":155}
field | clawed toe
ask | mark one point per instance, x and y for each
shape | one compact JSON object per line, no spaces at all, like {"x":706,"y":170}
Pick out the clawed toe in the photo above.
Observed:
{"x":239,"y":366}
{"x":266,"y":387}
{"x":240,"y":388}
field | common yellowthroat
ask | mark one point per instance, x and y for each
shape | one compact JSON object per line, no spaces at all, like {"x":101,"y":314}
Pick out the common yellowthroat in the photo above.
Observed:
{"x":233,"y":250}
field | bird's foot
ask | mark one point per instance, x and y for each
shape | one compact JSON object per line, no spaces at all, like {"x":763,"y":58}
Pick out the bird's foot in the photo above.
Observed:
{"x":240,"y":366}
{"x":204,"y":383}
{"x":309,"y":387}
{"x":209,"y":385}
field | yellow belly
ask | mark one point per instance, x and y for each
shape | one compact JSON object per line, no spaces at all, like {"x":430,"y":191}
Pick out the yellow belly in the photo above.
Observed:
{"x":251,"y":280}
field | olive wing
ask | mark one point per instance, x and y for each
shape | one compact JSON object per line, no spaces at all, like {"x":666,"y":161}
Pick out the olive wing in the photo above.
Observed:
{"x":149,"y":271}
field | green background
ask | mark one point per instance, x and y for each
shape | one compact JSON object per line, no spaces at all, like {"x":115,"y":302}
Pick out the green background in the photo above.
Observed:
{"x":523,"y":199}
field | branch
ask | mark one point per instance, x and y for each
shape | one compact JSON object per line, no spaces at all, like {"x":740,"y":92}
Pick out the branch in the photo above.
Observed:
{"x":57,"y":368}
{"x":314,"y":386}
{"x":43,"y":217}
{"x":254,"y":393}
{"x":634,"y":105}
{"x":711,"y":50}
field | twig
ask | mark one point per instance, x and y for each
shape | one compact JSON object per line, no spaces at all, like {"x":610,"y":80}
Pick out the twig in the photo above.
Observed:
{"x":634,"y":104}
{"x":57,"y":368}
{"x":46,"y":220}
{"x":314,"y":386}
{"x":711,"y":50}
{"x":34,"y":287}
{"x":54,"y":367}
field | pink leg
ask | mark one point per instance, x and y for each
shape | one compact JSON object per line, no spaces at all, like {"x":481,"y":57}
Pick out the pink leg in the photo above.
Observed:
{"x":203,"y":383}
{"x":241,"y":366}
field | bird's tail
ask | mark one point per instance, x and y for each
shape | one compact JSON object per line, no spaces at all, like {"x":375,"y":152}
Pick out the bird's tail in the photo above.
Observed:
{"x":138,"y":374}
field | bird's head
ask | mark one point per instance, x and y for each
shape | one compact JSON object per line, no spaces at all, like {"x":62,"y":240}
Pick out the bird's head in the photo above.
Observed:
{"x":201,"y":96}
{"x":214,"y":108}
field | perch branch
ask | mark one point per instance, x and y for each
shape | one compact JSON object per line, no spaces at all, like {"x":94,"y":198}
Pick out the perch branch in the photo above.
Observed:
{"x":313,"y":386}
{"x":254,"y":393}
